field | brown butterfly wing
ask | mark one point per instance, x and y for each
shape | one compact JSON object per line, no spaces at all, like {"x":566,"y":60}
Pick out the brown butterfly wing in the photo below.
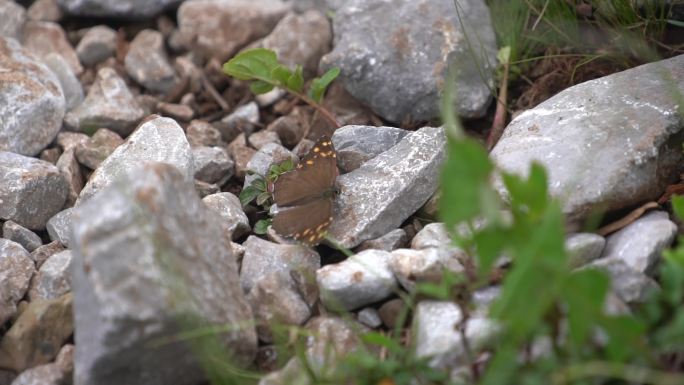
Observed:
{"x":307,"y":223}
{"x":315,"y":174}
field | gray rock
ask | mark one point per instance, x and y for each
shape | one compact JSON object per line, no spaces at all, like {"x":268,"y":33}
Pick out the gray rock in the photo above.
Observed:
{"x":68,"y":140}
{"x":271,"y":153}
{"x":42,"y":253}
{"x":37,"y":335}
{"x":381,"y":194}
{"x":276,"y":302}
{"x":583,"y":248}
{"x":432,"y":235}
{"x":21,"y":235}
{"x":261,"y":138}
{"x":27,"y":127}
{"x":291,"y":128}
{"x":134,"y":9}
{"x":398,"y":66}
{"x":98,"y":147}
{"x":219,"y":28}
{"x":12,"y":19}
{"x":45,"y":37}
{"x":641,"y":243}
{"x":242,"y":119}
{"x":201,"y":133}
{"x":438,"y":337}
{"x":69,"y":168}
{"x":630,"y":285}
{"x":177,"y":265}
{"x":53,"y":278}
{"x":59,"y":372}
{"x":369,"y":317}
{"x":148,"y":63}
{"x":361,"y":279}
{"x":59,"y":227}
{"x":623,"y":121}
{"x":177,"y":111}
{"x":229,"y":208}
{"x":108,"y":104}
{"x":156,"y":140}
{"x":97,"y":45}
{"x":31,"y":190}
{"x":331,"y":339}
{"x":391,"y":241}
{"x":212,"y":164}
{"x":204,"y":189}
{"x":426,"y":265}
{"x":357,"y":144}
{"x":50,"y":155}
{"x":71,"y":87}
{"x":45,"y":10}
{"x":301,"y":39}
{"x":269,"y":98}
{"x":263,"y":257}
{"x":16,"y":270}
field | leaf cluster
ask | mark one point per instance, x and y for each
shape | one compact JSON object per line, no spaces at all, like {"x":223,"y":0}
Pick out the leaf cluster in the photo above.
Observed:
{"x":259,"y":190}
{"x":262,"y":68}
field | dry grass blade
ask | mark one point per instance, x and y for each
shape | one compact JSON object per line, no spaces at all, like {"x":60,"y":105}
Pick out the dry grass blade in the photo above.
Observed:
{"x":626,"y":220}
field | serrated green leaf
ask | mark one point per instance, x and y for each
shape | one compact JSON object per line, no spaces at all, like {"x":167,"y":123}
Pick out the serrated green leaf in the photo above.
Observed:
{"x":319,"y":85}
{"x":248,"y":194}
{"x":263,"y":198}
{"x":295,"y":81}
{"x":261,"y":226}
{"x":257,"y":63}
{"x":259,"y":87}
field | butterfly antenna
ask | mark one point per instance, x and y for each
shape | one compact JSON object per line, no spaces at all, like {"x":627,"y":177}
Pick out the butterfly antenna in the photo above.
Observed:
{"x":334,"y":243}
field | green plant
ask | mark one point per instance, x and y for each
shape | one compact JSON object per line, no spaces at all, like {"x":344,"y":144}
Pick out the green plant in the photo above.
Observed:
{"x":260,"y":191}
{"x":262,"y":68}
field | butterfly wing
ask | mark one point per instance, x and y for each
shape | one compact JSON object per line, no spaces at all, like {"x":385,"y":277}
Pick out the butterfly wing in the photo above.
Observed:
{"x":307,"y":223}
{"x":315,"y":174}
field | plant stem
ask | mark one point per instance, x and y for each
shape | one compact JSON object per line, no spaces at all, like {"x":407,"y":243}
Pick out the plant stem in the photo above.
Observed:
{"x":500,"y":115}
{"x":630,"y":373}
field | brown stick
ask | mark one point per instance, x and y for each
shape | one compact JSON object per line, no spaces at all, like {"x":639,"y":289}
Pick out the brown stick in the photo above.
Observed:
{"x":500,"y":115}
{"x":626,"y":220}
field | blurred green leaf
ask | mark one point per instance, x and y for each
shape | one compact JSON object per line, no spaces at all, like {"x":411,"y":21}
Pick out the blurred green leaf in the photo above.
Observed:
{"x":379,"y":339}
{"x":248,"y":194}
{"x":260,"y":87}
{"x":261,"y":226}
{"x":678,"y":206}
{"x":263,"y":198}
{"x":295,"y":81}
{"x":281,"y":74}
{"x":319,"y":85}
{"x":585,"y":293}
{"x":257,"y":63}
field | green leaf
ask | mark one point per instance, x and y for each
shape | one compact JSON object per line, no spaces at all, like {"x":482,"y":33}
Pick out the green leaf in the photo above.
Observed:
{"x":295,"y":82}
{"x":489,"y":243}
{"x":678,"y":206}
{"x":248,"y":194}
{"x":259,"y":87}
{"x":380,"y":339}
{"x":259,"y":183}
{"x":585,"y":293}
{"x":504,"y":55}
{"x":465,"y":182}
{"x":261,"y":226}
{"x":257,"y":63}
{"x":263,"y":198}
{"x":529,"y":196}
{"x":319,"y":85}
{"x":281,"y":74}
{"x":286,"y":165}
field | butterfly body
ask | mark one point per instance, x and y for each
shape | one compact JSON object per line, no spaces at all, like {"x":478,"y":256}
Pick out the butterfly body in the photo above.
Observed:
{"x":304,"y":196}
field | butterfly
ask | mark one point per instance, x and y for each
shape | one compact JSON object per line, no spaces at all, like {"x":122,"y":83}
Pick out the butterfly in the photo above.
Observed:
{"x":304,"y":196}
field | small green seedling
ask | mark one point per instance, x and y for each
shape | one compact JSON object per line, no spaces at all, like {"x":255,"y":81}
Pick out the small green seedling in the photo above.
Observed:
{"x":259,"y":190}
{"x":262,"y":68}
